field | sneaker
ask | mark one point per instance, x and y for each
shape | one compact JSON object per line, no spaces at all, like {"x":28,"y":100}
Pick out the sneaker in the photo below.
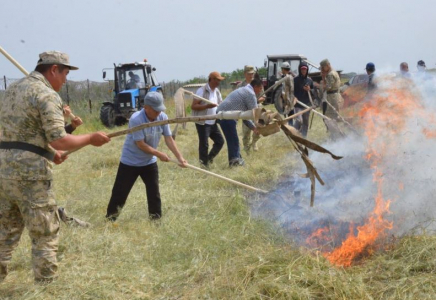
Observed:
{"x":236,"y":162}
{"x":255,"y":148}
{"x":204,"y":167}
{"x":112,"y":218}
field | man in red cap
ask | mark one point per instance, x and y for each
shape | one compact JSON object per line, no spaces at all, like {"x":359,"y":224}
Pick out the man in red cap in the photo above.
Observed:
{"x":302,"y":87}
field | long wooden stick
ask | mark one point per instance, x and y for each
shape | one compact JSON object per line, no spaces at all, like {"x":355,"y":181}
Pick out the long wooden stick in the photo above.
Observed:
{"x":224,"y":115}
{"x":296,"y":115}
{"x":197,"y":97}
{"x":319,"y":114}
{"x":13,"y":61}
{"x":249,"y":187}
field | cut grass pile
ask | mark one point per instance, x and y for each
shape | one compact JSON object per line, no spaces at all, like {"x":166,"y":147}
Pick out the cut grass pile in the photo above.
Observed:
{"x":207,"y":246}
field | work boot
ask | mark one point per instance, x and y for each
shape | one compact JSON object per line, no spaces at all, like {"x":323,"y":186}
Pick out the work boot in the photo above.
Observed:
{"x":3,"y":272}
{"x":255,"y":148}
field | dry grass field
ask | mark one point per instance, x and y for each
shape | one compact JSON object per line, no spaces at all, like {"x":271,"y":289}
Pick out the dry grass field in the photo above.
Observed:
{"x":207,"y":245}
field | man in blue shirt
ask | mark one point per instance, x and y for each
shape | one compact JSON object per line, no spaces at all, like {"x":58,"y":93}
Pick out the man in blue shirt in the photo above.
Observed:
{"x":139,"y":158}
{"x":370,"y":70}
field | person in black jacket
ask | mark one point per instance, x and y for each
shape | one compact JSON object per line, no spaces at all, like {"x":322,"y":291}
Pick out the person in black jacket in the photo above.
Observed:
{"x":302,"y":87}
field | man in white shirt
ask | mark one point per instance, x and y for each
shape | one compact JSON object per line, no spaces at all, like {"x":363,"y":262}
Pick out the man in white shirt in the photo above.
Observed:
{"x":208,"y":129}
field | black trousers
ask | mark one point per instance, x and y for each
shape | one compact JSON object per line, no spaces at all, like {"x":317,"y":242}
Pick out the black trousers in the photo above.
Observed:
{"x":205,"y":132}
{"x":126,"y":177}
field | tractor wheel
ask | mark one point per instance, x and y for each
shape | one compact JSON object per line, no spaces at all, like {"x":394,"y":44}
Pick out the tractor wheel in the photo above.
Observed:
{"x":107,"y":116}
{"x":278,"y":99}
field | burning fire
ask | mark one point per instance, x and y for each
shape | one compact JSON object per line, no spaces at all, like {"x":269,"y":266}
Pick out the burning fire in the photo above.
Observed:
{"x":382,"y":118}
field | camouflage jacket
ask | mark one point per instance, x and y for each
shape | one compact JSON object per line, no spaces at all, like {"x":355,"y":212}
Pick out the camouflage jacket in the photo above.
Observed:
{"x":30,"y":112}
{"x":333,"y":81}
{"x":241,"y":84}
{"x":288,"y":92}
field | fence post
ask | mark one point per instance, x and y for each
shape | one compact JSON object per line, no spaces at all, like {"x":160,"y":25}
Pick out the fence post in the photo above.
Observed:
{"x":4,"y":78}
{"x":89,"y":99}
{"x":68,"y":95}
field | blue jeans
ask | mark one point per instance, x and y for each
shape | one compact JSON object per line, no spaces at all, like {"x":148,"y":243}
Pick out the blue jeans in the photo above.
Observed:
{"x":231,"y":134}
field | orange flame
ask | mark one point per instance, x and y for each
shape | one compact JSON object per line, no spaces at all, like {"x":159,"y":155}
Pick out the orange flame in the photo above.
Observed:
{"x":382,"y":117}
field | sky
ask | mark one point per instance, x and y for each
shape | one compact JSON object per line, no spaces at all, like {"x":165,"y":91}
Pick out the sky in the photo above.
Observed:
{"x":185,"y":39}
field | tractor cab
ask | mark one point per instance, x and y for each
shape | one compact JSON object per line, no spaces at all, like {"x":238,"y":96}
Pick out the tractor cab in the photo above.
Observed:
{"x":132,"y":81}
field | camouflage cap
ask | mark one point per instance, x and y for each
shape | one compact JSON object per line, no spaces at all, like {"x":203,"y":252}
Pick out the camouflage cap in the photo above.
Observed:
{"x":324,"y":62}
{"x":55,"y":58}
{"x":249,"y":70}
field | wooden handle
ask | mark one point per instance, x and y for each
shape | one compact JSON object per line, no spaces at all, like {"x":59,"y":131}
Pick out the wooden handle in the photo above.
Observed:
{"x":198,"y":97}
{"x":296,"y":115}
{"x":221,"y":177}
{"x":319,"y":114}
{"x":12,"y":60}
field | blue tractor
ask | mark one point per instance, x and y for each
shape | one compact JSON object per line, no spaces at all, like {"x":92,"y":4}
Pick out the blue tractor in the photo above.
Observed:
{"x":132,"y":82}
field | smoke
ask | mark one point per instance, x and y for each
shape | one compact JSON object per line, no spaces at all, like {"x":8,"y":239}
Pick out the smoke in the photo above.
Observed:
{"x":397,"y":139}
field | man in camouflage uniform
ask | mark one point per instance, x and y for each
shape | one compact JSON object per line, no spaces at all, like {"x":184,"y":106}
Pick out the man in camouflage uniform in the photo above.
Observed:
{"x":247,"y":140}
{"x":288,"y":91}
{"x":330,"y":85}
{"x":33,"y":135}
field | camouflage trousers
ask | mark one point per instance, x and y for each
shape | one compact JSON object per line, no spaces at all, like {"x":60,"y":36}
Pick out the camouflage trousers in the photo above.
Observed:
{"x":246,"y":138}
{"x":30,"y":204}
{"x":337,"y":102}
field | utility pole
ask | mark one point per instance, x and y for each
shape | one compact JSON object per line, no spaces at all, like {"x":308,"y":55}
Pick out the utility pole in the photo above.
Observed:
{"x":68,"y":95}
{"x":89,"y":99}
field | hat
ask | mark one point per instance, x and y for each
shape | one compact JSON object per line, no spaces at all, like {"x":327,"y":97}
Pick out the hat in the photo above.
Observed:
{"x":249,"y":70}
{"x":55,"y":58}
{"x":324,"y":62}
{"x":370,"y":66}
{"x":303,"y":67}
{"x":286,"y":65}
{"x":421,"y":63}
{"x":155,"y":100}
{"x":216,"y":75}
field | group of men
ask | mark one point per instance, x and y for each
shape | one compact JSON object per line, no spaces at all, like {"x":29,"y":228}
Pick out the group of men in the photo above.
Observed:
{"x":242,"y":99}
{"x":296,"y":93}
{"x":404,"y":72}
{"x":34,"y":135}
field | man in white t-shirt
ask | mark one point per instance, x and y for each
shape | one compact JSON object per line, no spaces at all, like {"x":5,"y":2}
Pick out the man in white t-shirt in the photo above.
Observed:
{"x":208,"y":129}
